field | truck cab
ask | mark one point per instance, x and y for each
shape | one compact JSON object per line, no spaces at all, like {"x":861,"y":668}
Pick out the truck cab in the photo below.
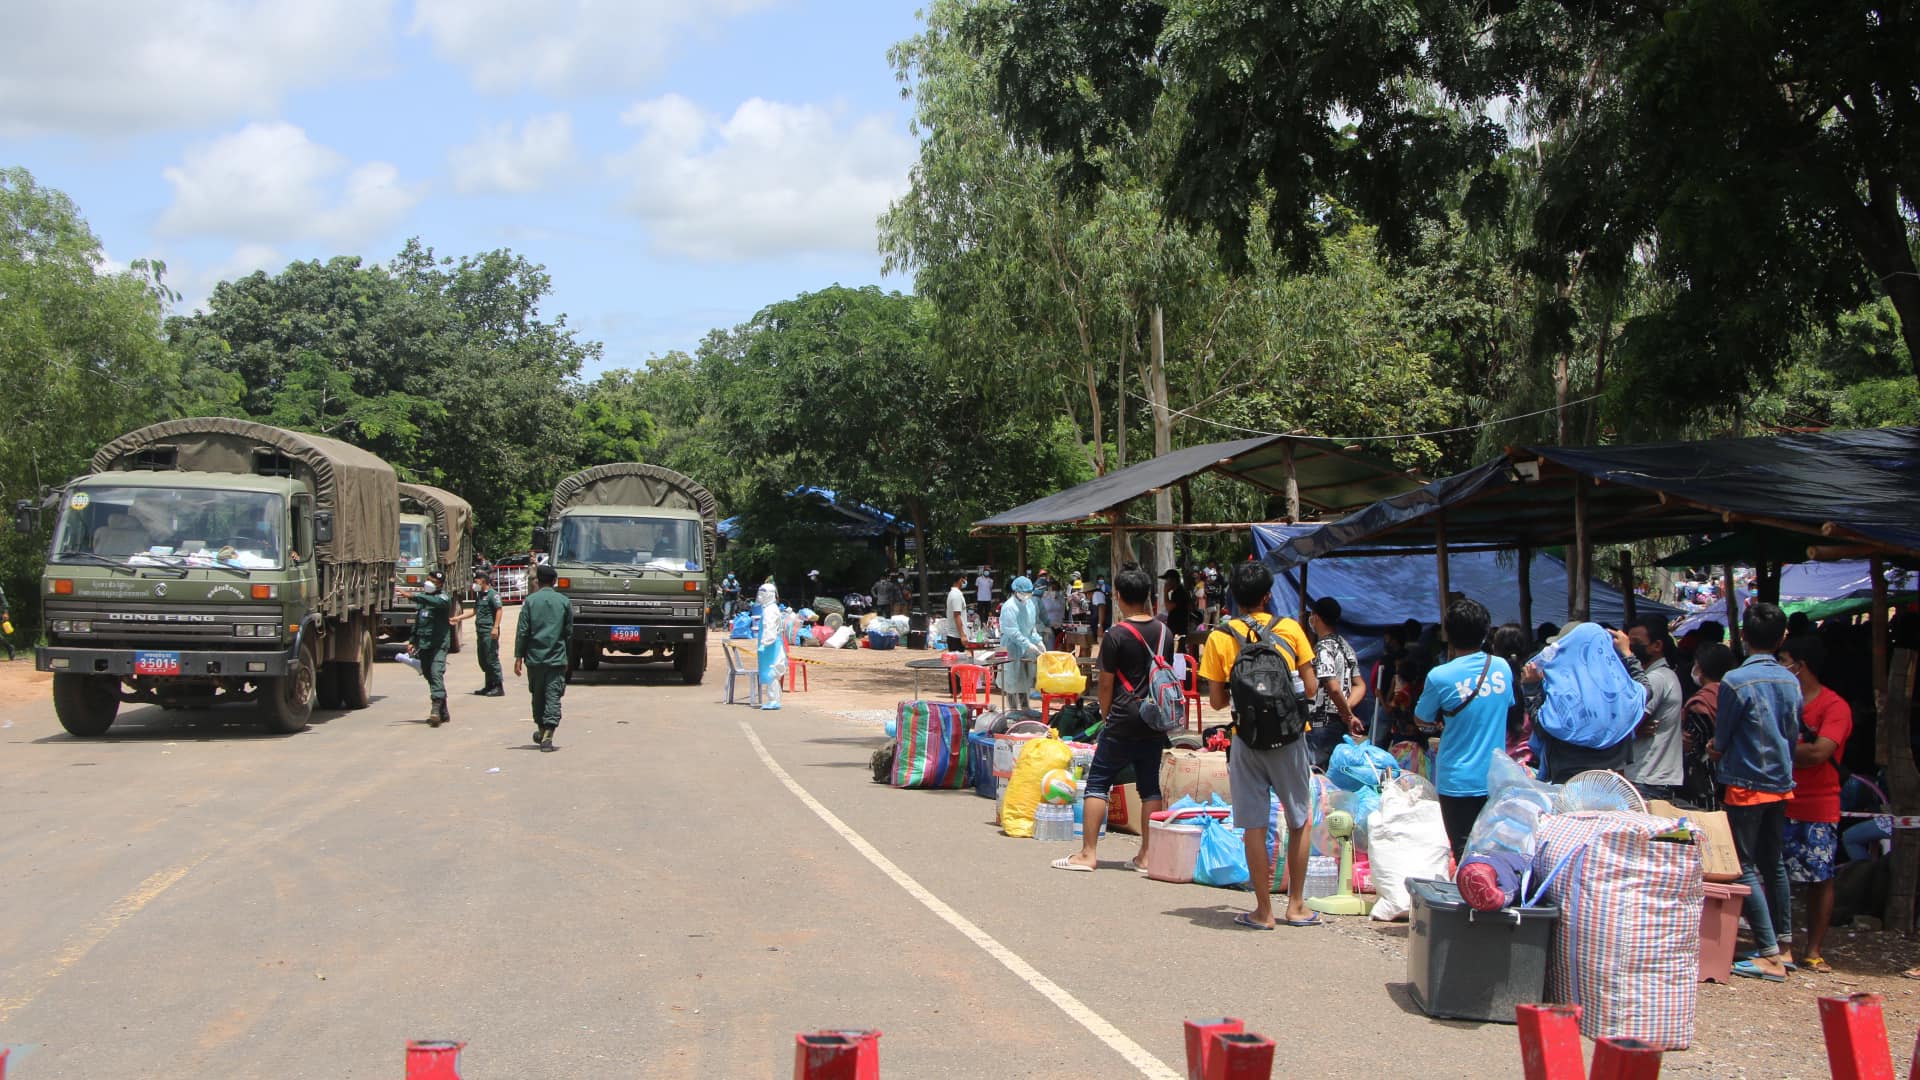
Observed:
{"x":422,"y":551}
{"x":637,"y":580}
{"x":180,"y":587}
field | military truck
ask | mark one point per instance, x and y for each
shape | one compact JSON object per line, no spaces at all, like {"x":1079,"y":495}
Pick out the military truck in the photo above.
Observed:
{"x":632,"y":545}
{"x":434,"y":535}
{"x":215,"y":560}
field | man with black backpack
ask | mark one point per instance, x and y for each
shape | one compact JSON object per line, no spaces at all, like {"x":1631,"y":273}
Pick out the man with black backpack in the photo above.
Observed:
{"x":1135,"y":669}
{"x":1262,"y":667}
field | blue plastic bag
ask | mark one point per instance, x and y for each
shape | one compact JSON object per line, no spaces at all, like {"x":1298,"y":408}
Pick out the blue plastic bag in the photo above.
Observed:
{"x":1222,"y":861}
{"x":1358,"y":764}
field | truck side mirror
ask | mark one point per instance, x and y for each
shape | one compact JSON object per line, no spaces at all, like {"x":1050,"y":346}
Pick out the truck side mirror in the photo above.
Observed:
{"x":446,"y":542}
{"x":541,"y":538}
{"x":323,"y":526}
{"x":25,"y":520}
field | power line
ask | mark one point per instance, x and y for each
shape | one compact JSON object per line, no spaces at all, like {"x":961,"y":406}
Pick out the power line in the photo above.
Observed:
{"x":1370,"y":438}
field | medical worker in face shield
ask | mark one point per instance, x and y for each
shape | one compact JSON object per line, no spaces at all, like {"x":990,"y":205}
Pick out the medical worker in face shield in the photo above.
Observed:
{"x":1020,"y":636}
{"x":773,"y":644}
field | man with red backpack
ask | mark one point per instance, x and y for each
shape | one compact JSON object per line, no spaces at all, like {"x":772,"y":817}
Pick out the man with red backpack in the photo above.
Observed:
{"x":1134,"y":662}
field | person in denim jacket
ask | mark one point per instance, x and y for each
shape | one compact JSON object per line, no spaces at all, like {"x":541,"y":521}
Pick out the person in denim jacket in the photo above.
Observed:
{"x":1753,"y":739}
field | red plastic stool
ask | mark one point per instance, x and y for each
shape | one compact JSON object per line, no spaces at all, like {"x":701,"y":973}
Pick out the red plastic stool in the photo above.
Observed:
{"x":1047,"y":700}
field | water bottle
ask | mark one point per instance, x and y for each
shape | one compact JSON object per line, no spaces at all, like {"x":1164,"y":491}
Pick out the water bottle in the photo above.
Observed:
{"x":1299,"y":685}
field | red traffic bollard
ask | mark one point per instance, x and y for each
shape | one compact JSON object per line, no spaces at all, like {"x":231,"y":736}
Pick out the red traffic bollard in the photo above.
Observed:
{"x":869,"y":1056}
{"x":1856,"y":1038}
{"x":1200,"y":1035}
{"x":1240,"y":1057}
{"x":434,"y":1059}
{"x":1625,"y":1059}
{"x":826,"y":1055}
{"x":1550,"y":1042}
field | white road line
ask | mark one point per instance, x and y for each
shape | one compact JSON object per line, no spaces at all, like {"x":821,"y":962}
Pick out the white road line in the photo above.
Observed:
{"x":1135,"y":1054}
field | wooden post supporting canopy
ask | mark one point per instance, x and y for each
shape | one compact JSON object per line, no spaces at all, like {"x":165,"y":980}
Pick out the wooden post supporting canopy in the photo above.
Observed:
{"x":1020,"y":551}
{"x":1292,"y":484}
{"x":1526,"y":590}
{"x":1734,"y":640}
{"x":1628,"y":597}
{"x":1580,"y":562}
{"x":1878,"y":568}
{"x":1440,"y":561}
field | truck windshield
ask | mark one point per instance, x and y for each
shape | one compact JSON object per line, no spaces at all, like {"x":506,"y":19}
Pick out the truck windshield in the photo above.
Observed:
{"x":643,"y":542}
{"x":148,"y":526}
{"x":413,"y":543}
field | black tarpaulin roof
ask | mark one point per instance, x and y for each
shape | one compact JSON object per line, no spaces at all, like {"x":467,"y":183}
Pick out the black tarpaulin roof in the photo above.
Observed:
{"x":1835,"y":487}
{"x":1330,"y":477}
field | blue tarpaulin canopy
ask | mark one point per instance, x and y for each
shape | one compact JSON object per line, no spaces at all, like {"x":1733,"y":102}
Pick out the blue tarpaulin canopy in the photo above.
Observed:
{"x":1380,"y":592}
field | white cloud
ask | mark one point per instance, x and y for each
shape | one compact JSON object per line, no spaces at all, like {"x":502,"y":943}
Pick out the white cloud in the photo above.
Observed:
{"x":501,"y":162}
{"x":268,"y":183}
{"x":567,"y":45}
{"x":772,"y":178}
{"x":121,"y":66}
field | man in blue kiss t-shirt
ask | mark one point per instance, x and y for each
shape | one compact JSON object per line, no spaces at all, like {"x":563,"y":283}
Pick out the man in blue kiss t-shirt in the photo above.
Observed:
{"x":1469,"y":694}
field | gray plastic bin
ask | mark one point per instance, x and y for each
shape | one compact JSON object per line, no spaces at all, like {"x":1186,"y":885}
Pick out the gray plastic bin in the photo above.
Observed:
{"x":1476,"y":965}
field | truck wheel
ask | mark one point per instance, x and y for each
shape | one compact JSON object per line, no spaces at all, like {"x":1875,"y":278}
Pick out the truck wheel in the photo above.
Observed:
{"x":691,"y":662}
{"x":354,"y":680}
{"x":286,"y":703}
{"x":86,"y":704}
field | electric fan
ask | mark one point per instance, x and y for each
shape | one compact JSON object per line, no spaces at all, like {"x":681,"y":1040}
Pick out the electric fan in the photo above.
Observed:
{"x":1598,"y":789}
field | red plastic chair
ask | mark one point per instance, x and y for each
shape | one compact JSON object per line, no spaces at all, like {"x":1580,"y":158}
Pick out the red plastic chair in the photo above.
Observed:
{"x":1191,"y":710}
{"x":1047,"y":702}
{"x":975,"y":685}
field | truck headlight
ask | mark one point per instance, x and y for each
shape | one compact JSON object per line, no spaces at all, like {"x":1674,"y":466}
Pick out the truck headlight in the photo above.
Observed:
{"x":60,"y":626}
{"x":243,"y":630}
{"x":83,"y":628}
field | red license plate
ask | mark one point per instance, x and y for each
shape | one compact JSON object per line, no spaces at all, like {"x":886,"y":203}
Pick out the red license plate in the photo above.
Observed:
{"x":625,"y":633}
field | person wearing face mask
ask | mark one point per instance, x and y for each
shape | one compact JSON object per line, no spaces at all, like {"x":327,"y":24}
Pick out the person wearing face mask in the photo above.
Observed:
{"x":1657,"y":766}
{"x":432,"y":633}
{"x":773,"y":645}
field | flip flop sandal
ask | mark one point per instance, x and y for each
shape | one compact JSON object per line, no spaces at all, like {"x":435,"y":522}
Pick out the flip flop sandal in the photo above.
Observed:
{"x":1788,"y":964}
{"x":1816,"y":965}
{"x":1747,"y":969}
{"x":1246,"y":919}
{"x":1069,"y":864}
{"x":1137,"y":868}
{"x":1311,"y":920}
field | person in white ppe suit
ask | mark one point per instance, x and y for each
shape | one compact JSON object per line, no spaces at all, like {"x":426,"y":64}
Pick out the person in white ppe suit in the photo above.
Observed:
{"x":773,"y":645}
{"x":1020,"y":636}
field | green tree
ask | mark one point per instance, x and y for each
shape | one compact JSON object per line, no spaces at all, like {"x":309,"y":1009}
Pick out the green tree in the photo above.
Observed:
{"x":612,"y":420}
{"x":82,"y":357}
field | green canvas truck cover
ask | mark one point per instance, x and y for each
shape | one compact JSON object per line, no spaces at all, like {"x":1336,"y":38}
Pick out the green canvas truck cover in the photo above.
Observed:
{"x":453,"y":516}
{"x":630,"y":483}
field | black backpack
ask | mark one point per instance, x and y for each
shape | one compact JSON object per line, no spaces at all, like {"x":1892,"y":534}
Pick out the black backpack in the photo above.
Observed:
{"x":1267,"y":711}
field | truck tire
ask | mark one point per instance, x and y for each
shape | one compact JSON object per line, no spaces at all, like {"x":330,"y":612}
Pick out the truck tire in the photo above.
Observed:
{"x":691,"y":663}
{"x":286,"y":703}
{"x":86,"y":704}
{"x":354,"y":680}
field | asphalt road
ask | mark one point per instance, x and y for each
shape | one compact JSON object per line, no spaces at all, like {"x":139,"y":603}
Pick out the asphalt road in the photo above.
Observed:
{"x":190,"y":898}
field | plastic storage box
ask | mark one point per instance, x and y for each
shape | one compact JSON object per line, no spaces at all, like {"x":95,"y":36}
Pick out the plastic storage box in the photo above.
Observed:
{"x":980,"y":765}
{"x":1719,"y":927}
{"x":1475,"y":965}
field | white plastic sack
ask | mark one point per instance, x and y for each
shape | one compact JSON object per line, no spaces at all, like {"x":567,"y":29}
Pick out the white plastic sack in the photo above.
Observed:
{"x":1407,"y":838}
{"x":840,"y":638}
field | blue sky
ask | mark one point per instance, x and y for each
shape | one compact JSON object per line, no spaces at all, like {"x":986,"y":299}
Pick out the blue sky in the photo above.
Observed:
{"x":676,"y":165}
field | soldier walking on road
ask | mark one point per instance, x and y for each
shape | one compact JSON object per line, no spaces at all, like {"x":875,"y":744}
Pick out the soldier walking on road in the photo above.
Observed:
{"x":540,"y":651}
{"x":432,"y":633}
{"x":486,"y":632}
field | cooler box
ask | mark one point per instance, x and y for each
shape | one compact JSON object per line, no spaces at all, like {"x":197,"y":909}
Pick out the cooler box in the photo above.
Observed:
{"x":1475,"y":965}
{"x":1176,"y":844}
{"x":980,"y":765}
{"x":1719,"y":927}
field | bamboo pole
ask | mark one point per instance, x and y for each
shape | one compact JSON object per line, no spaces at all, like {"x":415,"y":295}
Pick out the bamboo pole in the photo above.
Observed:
{"x":1293,"y":482}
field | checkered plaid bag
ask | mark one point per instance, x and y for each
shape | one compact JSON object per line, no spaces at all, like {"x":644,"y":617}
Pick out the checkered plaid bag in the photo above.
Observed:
{"x":931,"y":741}
{"x":1627,"y":948}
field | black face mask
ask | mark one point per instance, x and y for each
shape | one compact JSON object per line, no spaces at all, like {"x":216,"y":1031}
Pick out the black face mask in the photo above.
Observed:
{"x":1642,"y":653}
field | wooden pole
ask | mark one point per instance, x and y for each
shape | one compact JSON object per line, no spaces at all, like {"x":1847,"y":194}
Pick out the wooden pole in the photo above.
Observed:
{"x":1629,"y":599}
{"x":1186,"y":537}
{"x":1580,"y":577}
{"x":1303,"y":592}
{"x":1903,"y":788}
{"x":1878,"y":568}
{"x":1440,"y":564}
{"x":1020,"y":551}
{"x":1116,"y":545}
{"x":1733,"y":613}
{"x":1292,"y":484}
{"x":1526,"y":590}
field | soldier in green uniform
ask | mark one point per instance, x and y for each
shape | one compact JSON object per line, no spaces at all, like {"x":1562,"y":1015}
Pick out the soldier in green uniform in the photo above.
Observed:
{"x":486,"y":632}
{"x":540,"y":650}
{"x":432,"y":632}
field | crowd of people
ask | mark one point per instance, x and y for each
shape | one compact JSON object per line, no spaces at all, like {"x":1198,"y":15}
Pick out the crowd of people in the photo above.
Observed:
{"x":1758,"y":733}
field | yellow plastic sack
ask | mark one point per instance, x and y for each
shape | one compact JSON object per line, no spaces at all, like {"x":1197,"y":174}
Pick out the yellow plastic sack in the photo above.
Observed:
{"x":1060,"y":674}
{"x":1037,"y":758}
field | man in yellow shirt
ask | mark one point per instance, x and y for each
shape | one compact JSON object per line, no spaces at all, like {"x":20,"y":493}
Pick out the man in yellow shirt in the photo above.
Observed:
{"x":1287,"y":770}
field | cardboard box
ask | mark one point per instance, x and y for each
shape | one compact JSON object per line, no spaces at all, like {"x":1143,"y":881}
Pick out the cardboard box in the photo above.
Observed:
{"x":1199,"y":773}
{"x":1718,"y":859}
